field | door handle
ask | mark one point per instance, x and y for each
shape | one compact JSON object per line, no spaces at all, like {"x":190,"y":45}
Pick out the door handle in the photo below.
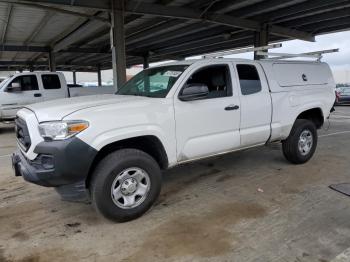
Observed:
{"x":37,"y":95}
{"x":231,"y":107}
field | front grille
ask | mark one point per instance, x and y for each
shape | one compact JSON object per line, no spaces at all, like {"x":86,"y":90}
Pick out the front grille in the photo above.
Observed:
{"x":22,"y":134}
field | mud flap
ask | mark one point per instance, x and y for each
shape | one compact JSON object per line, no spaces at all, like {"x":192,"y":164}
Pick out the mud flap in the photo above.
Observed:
{"x":76,"y":192}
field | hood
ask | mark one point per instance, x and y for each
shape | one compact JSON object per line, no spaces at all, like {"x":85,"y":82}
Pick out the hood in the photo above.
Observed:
{"x":58,"y":109}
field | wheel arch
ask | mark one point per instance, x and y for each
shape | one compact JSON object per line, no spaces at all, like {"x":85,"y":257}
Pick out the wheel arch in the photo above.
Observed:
{"x":315,"y":115}
{"x":149,"y":144}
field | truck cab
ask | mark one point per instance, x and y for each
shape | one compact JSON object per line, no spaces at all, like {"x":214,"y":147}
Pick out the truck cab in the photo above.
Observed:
{"x":29,"y":88}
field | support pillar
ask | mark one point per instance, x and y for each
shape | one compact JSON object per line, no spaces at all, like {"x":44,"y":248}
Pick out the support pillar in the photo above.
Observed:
{"x":52,"y":61}
{"x":146,"y":65}
{"x":99,"y":77}
{"x":261,"y":39}
{"x":145,"y":61}
{"x":74,"y":77}
{"x":118,"y":43}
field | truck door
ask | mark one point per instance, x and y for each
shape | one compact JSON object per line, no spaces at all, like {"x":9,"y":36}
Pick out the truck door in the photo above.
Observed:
{"x":256,"y":107}
{"x":52,"y":87}
{"x":209,"y":125}
{"x":21,"y":91}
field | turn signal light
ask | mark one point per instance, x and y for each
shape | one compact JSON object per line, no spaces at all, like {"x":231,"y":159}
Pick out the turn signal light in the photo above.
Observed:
{"x":77,"y":127}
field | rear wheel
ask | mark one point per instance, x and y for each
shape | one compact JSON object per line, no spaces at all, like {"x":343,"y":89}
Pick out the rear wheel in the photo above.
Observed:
{"x":125,"y":184}
{"x":301,"y":143}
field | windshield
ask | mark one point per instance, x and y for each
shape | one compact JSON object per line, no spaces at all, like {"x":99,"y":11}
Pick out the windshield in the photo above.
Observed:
{"x":4,"y":82}
{"x":153,"y":82}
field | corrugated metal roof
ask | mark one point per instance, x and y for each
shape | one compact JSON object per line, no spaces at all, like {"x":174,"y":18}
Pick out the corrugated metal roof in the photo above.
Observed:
{"x":56,"y":25}
{"x":22,"y":23}
{"x":160,"y":36}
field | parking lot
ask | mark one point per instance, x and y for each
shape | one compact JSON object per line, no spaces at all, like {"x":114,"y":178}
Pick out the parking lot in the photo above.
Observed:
{"x":245,"y":206}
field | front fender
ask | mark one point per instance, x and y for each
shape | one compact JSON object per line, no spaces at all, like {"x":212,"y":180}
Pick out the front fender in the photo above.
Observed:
{"x":111,"y":136}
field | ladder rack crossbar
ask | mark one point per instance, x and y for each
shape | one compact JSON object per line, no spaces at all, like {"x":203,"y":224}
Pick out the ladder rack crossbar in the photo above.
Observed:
{"x":279,"y":56}
{"x":263,"y":51}
{"x":242,"y":50}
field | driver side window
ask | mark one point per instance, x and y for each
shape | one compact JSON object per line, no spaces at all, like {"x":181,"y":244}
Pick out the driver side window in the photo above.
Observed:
{"x":216,"y":78}
{"x":26,"y":82}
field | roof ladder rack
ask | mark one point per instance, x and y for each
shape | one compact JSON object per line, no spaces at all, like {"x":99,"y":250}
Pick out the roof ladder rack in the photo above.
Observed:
{"x":242,"y":50}
{"x":279,"y":56}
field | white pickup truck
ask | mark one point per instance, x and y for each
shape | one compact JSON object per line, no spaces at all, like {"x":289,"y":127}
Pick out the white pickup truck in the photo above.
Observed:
{"x":34,"y":87}
{"x":113,"y":147}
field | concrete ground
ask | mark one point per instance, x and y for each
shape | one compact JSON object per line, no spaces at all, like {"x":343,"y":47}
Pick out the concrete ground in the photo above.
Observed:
{"x":245,"y":206}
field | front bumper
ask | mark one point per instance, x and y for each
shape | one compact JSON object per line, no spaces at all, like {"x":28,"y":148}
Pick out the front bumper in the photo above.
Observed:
{"x":32,"y":173}
{"x":62,"y":164}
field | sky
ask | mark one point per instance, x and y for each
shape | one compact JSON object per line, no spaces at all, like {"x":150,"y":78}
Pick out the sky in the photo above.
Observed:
{"x":339,"y":62}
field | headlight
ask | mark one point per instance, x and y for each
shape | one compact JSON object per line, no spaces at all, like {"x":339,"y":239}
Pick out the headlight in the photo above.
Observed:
{"x":59,"y":130}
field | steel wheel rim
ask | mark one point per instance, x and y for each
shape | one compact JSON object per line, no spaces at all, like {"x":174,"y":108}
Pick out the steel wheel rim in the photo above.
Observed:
{"x":305,"y":142}
{"x":130,"y":188}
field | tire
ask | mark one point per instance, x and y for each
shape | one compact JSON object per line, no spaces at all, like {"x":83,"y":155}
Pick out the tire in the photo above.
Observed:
{"x":291,"y":150}
{"x":117,"y":172}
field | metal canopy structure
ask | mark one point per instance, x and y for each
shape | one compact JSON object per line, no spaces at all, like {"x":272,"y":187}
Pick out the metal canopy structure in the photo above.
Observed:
{"x":92,"y":35}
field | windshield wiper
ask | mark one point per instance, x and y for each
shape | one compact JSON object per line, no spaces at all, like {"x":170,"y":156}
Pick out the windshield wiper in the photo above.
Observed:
{"x":136,"y":94}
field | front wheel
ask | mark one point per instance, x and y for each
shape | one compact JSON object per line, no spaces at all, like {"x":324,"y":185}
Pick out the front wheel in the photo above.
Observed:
{"x":125,"y":184}
{"x":301,"y":143}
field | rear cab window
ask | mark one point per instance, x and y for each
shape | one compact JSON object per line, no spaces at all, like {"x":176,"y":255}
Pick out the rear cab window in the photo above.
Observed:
{"x":51,"y":81}
{"x":249,"y":79}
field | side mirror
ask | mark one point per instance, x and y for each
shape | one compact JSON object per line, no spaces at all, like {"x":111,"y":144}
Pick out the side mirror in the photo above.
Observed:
{"x":14,"y":88}
{"x":194,"y":92}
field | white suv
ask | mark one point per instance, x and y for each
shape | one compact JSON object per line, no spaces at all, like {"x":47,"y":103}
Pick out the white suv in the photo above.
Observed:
{"x":112,"y":148}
